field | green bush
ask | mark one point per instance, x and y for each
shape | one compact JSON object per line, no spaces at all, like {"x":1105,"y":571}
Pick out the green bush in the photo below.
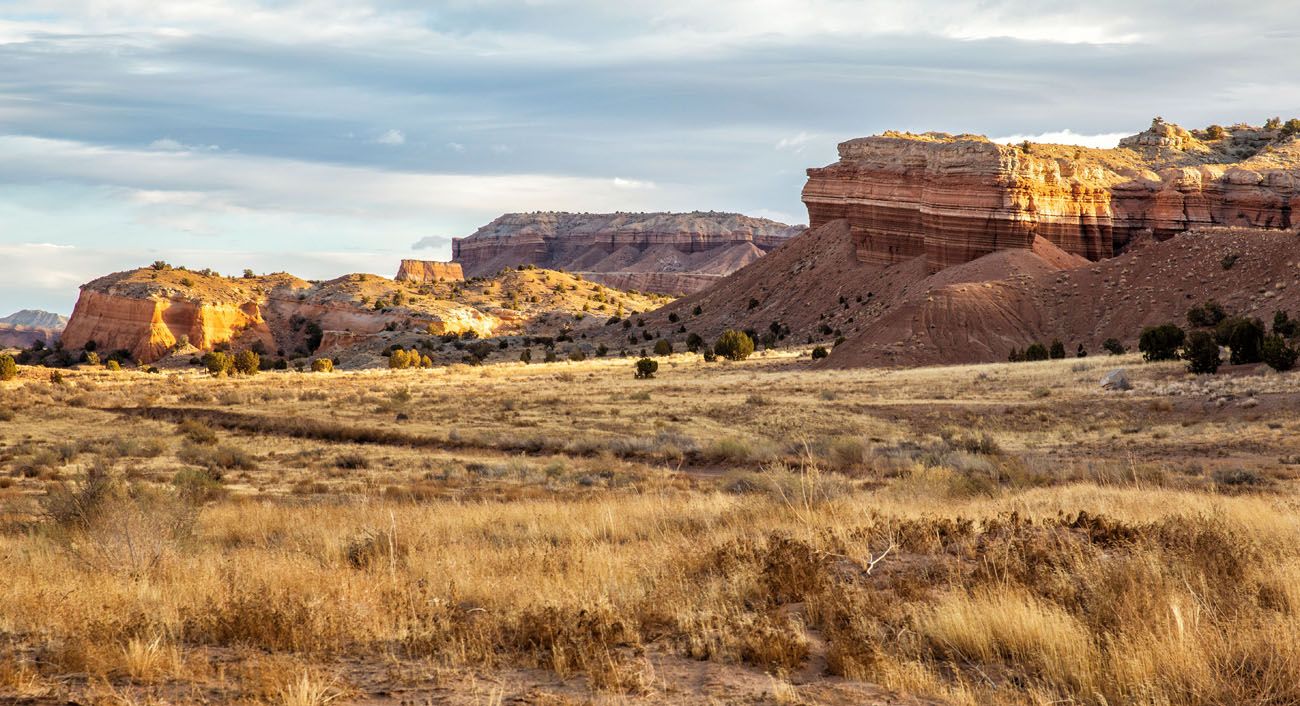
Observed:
{"x":113,"y":366}
{"x":1161,"y":342}
{"x":322,"y":365}
{"x":1202,"y":354}
{"x":1279,"y":354}
{"x":1114,"y":347}
{"x":247,"y":362}
{"x":1284,"y":325}
{"x":663,"y":347}
{"x":1245,"y":337}
{"x":819,"y":352}
{"x":8,"y":368}
{"x":734,"y":345}
{"x":1036,"y":352}
{"x":646,"y":368}
{"x":1057,"y":351}
{"x":1207,"y":314}
{"x":218,"y":363}
{"x":1015,"y":356}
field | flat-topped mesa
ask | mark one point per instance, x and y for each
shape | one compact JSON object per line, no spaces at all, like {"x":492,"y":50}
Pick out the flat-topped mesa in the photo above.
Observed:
{"x":422,"y":271}
{"x":956,"y":198}
{"x":669,"y":253}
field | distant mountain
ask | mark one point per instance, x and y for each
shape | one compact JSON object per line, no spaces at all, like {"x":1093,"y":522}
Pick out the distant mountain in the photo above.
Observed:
{"x":670,"y":253}
{"x":36,"y":319}
{"x":22,"y":329}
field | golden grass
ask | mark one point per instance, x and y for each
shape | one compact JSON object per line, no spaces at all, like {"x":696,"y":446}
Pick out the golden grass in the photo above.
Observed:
{"x":973,"y":543}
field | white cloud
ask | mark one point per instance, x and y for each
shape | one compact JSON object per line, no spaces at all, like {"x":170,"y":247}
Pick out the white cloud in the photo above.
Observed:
{"x":456,"y":147}
{"x":167,"y":144}
{"x":1066,"y":137}
{"x":392,"y":137}
{"x":794,"y":143}
{"x":621,"y":183}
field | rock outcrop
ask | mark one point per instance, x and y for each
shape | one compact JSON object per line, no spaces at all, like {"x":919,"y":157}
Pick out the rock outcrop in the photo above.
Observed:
{"x":150,"y":312}
{"x":24,"y":328}
{"x":154,"y":312}
{"x":956,"y":198}
{"x":429,"y":271}
{"x":670,"y":253}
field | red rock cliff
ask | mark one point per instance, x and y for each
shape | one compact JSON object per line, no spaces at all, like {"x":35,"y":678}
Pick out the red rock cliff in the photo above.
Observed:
{"x":429,"y":271}
{"x":956,"y":198}
{"x":670,"y":253}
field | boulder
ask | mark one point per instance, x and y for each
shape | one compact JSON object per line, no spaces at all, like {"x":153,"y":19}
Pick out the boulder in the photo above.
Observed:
{"x":1116,"y":380}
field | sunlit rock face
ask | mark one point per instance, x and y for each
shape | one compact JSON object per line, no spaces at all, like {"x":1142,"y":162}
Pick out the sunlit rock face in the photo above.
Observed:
{"x":954,"y":198}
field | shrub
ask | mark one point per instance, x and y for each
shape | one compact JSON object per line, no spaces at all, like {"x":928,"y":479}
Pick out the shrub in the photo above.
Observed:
{"x":197,"y":432}
{"x":1202,"y":354}
{"x":1081,"y":352}
{"x":646,"y":368}
{"x":218,"y":363}
{"x":1245,"y":337}
{"x":1207,"y":314}
{"x":694,"y":343}
{"x":92,"y":358}
{"x":1161,"y":342}
{"x":1279,"y":354}
{"x":1114,"y":347}
{"x":577,"y":355}
{"x":663,"y":347}
{"x":1035,"y":352}
{"x":1015,"y":356}
{"x":710,"y":356}
{"x":673,"y":317}
{"x":1229,"y":260}
{"x":819,"y":352}
{"x":8,"y":368}
{"x":734,"y":345}
{"x":550,"y":356}
{"x":1058,"y":350}
{"x":1284,"y":326}
{"x":322,"y":365}
{"x":218,"y":456}
{"x":526,"y":356}
{"x":697,"y":311}
{"x":247,"y":362}
{"x":401,"y":360}
{"x":113,"y":366}
{"x":1215,"y":132}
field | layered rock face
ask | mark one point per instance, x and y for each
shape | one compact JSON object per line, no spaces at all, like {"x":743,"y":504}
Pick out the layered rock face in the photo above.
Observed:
{"x":956,"y":198}
{"x":422,"y":271}
{"x":669,"y":253}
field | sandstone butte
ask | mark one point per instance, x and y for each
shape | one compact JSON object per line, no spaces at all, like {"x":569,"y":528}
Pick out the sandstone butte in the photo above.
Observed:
{"x":954,"y":198}
{"x":150,"y":312}
{"x":668,"y":253}
{"x":425,"y":271}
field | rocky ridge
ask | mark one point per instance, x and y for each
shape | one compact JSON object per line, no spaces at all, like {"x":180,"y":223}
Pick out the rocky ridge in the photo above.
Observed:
{"x":955,"y":198}
{"x":669,"y":253}
{"x":159,"y":311}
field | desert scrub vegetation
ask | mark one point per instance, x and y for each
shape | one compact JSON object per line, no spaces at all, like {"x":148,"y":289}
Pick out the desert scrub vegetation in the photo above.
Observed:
{"x":759,"y":525}
{"x":980,"y":600}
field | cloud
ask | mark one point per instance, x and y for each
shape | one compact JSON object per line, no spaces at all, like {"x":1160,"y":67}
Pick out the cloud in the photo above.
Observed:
{"x":795,"y":143}
{"x":430,"y":242}
{"x":167,"y":144}
{"x":1067,"y":137}
{"x":621,"y":183}
{"x":391,"y":137}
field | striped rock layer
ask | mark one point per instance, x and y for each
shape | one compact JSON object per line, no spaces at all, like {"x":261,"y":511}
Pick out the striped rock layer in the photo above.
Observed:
{"x":956,"y":198}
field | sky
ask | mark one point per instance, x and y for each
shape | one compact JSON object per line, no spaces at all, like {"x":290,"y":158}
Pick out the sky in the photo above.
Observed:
{"x":322,"y":137}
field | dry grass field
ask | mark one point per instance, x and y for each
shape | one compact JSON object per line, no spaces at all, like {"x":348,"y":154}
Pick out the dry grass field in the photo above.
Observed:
{"x":756,"y":532}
